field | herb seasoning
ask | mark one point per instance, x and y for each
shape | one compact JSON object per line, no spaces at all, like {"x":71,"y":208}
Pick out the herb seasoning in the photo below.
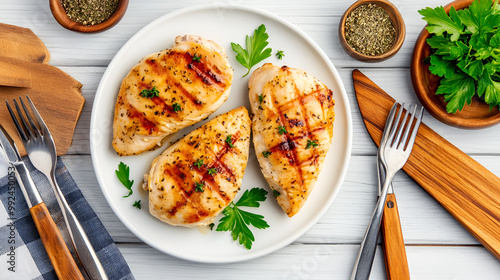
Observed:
{"x":369,"y":30}
{"x":89,"y":12}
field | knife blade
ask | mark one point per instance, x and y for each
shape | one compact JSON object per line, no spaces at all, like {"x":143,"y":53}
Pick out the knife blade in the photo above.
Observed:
{"x":465,"y":188}
{"x":59,"y":254}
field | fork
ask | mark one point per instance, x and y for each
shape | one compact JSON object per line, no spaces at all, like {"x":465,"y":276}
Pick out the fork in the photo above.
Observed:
{"x":394,"y":151}
{"x":41,"y":151}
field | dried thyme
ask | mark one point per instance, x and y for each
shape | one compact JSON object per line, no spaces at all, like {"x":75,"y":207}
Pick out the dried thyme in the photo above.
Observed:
{"x":370,"y":30}
{"x":89,"y":12}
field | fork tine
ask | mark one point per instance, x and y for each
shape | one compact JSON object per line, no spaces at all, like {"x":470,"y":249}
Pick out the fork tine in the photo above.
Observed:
{"x":34,"y":127}
{"x":19,"y":128}
{"x":409,"y":127}
{"x":24,"y":123}
{"x":401,"y":127}
{"x":394,"y":127}
{"x":38,"y":118}
{"x":413,"y":136}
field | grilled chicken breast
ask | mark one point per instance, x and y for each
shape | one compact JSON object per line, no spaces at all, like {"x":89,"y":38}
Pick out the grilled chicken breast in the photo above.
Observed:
{"x":197,"y":177}
{"x":292,"y":130}
{"x":168,"y":91}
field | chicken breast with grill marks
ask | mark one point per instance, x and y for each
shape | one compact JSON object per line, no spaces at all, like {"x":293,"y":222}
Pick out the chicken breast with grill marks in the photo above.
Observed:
{"x":292,"y":130}
{"x":197,"y":177}
{"x":170,"y":90}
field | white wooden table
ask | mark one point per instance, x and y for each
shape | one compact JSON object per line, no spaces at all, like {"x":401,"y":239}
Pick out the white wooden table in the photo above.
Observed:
{"x":437,"y":246}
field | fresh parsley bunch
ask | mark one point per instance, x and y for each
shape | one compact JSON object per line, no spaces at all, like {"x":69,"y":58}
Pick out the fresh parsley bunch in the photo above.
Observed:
{"x":465,"y":52}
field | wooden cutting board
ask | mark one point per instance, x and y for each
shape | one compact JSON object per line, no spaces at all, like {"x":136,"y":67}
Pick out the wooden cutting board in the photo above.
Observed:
{"x":24,"y":71}
{"x":465,"y":188}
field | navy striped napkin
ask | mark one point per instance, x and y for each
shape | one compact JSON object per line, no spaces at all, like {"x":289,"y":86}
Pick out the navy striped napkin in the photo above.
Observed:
{"x":22,"y":255}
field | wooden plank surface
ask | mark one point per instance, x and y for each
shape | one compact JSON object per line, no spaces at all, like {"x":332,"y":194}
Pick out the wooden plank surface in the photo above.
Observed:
{"x":438,"y":247}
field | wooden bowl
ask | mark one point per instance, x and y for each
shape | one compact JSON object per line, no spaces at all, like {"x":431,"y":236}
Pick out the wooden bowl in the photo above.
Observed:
{"x":62,"y":18}
{"x":473,"y":116}
{"x":399,"y":26}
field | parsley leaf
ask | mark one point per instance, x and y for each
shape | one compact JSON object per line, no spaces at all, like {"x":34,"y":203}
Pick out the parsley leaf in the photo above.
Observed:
{"x":199,"y":187}
{"x":212,"y":171}
{"x":198,"y":163}
{"x":311,"y":143}
{"x":280,"y":54}
{"x":137,"y":204}
{"x":150,"y":93}
{"x":196,"y":58}
{"x":237,"y":220}
{"x":122,"y":173}
{"x":457,"y":91}
{"x":439,"y":22}
{"x":266,"y":154}
{"x":255,"y":50}
{"x":281,"y":130}
{"x":229,"y":140}
{"x":176,"y":107}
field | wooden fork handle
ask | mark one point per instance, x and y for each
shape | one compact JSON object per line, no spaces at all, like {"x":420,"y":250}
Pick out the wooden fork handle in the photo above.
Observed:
{"x":59,"y":255}
{"x":396,"y":263}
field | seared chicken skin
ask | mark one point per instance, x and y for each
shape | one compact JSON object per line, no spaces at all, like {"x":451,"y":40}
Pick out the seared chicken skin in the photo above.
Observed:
{"x":168,"y":91}
{"x":197,"y":177}
{"x":292,"y":130}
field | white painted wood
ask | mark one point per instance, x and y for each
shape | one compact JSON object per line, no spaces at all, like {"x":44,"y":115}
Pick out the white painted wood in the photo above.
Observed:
{"x":317,"y":262}
{"x":437,"y":246}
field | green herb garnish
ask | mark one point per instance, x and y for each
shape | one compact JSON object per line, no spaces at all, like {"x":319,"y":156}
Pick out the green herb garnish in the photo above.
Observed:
{"x":123,"y":173}
{"x":261,"y":98}
{"x":276,"y":193}
{"x":280,"y":54}
{"x":311,"y":143}
{"x":196,"y":58}
{"x":281,"y":130}
{"x":255,"y":50}
{"x":176,"y":107}
{"x":229,"y":140}
{"x":237,"y":220}
{"x":199,"y":187}
{"x":137,"y":204}
{"x":150,"y":93}
{"x":266,"y":154}
{"x":211,"y":226}
{"x":198,"y":163}
{"x":212,"y":171}
{"x":465,"y":53}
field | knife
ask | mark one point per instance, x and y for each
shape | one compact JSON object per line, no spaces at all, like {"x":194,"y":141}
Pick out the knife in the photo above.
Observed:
{"x":396,"y":262}
{"x":59,"y":255}
{"x":465,"y":188}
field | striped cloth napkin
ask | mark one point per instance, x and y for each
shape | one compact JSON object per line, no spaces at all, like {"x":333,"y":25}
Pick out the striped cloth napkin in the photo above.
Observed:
{"x":22,"y":254}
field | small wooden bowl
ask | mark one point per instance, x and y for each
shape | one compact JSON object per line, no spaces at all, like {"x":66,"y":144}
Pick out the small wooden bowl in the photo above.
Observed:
{"x":399,"y":26}
{"x":473,"y":116}
{"x":62,"y":18}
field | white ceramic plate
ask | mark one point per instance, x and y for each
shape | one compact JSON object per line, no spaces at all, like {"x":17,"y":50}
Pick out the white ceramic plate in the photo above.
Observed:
{"x":223,"y":24}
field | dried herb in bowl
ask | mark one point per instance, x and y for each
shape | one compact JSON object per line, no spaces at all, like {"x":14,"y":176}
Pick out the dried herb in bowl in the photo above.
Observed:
{"x":369,"y":30}
{"x":89,"y":12}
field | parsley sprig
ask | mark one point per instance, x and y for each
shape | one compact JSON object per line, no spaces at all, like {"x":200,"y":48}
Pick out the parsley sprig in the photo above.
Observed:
{"x":465,"y":52}
{"x":150,"y":93}
{"x":123,"y":173}
{"x":237,"y":220}
{"x":255,"y":51}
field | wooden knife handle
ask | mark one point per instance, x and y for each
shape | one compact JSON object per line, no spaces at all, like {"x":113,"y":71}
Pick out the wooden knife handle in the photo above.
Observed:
{"x":396,"y":263}
{"x":59,"y":255}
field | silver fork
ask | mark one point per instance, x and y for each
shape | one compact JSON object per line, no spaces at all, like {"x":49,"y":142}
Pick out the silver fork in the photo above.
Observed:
{"x":41,"y":150}
{"x":394,"y":150}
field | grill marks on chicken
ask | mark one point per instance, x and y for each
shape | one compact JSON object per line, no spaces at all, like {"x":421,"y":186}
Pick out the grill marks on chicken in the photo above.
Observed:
{"x":293,"y":128}
{"x":168,"y":91}
{"x":197,"y":177}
